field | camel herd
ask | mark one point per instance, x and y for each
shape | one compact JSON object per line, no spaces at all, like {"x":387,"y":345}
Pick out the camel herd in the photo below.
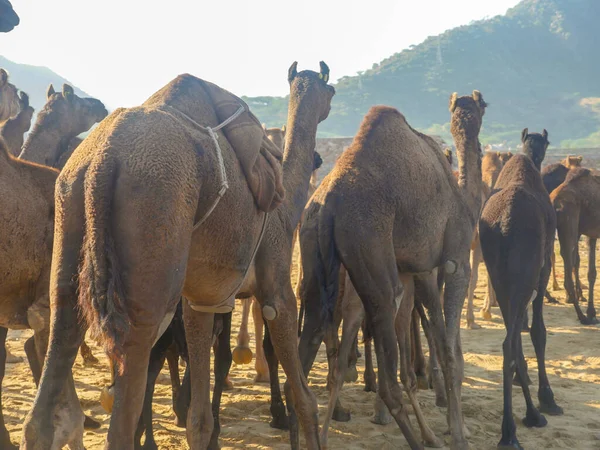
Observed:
{"x":146,"y":232}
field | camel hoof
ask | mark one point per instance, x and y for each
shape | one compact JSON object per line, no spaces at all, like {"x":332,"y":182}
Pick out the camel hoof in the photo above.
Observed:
{"x":227,"y":385}
{"x":517,"y":381}
{"x":341,"y":414}
{"x":535,"y":420}
{"x":91,"y":424}
{"x":434,"y":442}
{"x":441,"y":401}
{"x":382,"y":418}
{"x":351,"y":375}
{"x":150,"y":445}
{"x":485,"y":315}
{"x":262,"y":378}
{"x":242,"y":355}
{"x":280,"y":423}
{"x":511,"y":446}
{"x":473,"y":326}
{"x":179,"y":423}
{"x":269,"y":312}
{"x":422,"y":383}
{"x":107,"y":399}
{"x":13,"y":359}
{"x":593,"y":320}
{"x":551,"y":409}
{"x":90,"y":360}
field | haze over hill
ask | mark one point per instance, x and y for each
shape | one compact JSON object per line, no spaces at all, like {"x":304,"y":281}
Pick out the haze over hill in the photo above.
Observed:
{"x":536,"y":66}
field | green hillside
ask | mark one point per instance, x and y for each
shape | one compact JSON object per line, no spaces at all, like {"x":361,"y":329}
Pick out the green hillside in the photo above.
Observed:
{"x":537,"y":67}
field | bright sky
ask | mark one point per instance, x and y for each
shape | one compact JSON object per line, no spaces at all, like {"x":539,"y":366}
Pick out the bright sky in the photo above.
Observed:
{"x":121,"y":51}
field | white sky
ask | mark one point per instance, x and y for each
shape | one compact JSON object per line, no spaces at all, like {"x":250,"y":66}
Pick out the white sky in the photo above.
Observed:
{"x":121,"y":51}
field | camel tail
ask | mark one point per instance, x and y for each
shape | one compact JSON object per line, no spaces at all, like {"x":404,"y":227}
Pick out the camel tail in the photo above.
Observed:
{"x":102,"y":300}
{"x":330,"y":269}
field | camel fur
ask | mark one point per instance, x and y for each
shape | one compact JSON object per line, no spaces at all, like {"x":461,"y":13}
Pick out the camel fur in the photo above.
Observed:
{"x":13,"y":129}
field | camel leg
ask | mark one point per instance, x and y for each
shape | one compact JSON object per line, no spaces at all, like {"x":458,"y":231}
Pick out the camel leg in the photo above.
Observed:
{"x":555,"y":285}
{"x":87,"y":355}
{"x":369,"y":376}
{"x":4,"y":436}
{"x":417,"y":357}
{"x":538,"y":337}
{"x":297,"y":291}
{"x":578,"y":286}
{"x":476,"y":258}
{"x":199,"y":333}
{"x":490,"y":300}
{"x":278,"y":412}
{"x":242,"y":353}
{"x":568,"y":237}
{"x":353,"y":315}
{"x":223,"y":359}
{"x":407,"y":374}
{"x":262,"y":369}
{"x":532,"y":418}
{"x":172,"y":356}
{"x":184,"y":398}
{"x":591,"y":311}
{"x":352,"y":372}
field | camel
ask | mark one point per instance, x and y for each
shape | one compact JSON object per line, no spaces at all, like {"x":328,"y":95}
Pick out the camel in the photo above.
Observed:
{"x":516,"y":229}
{"x":149,"y":174}
{"x":361,"y":212}
{"x":553,"y":176}
{"x":9,"y":98}
{"x":13,"y":129}
{"x":448,"y":155}
{"x":63,"y":117}
{"x":576,"y":202}
{"x":8,"y":17}
{"x":491,"y":165}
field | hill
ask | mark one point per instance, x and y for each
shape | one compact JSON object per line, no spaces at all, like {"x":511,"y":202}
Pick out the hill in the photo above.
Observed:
{"x":536,"y":67}
{"x":35,"y":80}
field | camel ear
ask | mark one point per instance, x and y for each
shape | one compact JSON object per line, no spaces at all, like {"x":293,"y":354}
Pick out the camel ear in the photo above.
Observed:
{"x":453,"y":98}
{"x":324,"y":73}
{"x":545,"y":135}
{"x":3,"y":77}
{"x":68,"y":92}
{"x":479,"y":100}
{"x":524,"y":135}
{"x":24,"y":100}
{"x":579,"y":159}
{"x":283,"y":128}
{"x":509,"y":154}
{"x":292,"y":71}
{"x":50,"y":91}
{"x":264,"y":125}
{"x":498,"y":153}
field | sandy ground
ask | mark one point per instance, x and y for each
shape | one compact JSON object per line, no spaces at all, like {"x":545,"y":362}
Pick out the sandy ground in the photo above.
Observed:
{"x":573,"y":362}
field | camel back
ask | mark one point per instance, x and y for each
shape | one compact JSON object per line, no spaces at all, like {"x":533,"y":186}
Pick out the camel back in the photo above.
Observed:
{"x":259,"y":158}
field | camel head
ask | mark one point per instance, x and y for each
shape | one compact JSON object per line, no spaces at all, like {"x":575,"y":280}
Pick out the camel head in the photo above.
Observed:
{"x":64,"y":116}
{"x":276,"y":135}
{"x":535,"y":146}
{"x":311,"y":90}
{"x":448,"y":154}
{"x":318,"y":161}
{"x":504,"y":156}
{"x":9,"y":98}
{"x":571,"y":161}
{"x":8,"y":17}
{"x":24,"y":106}
{"x":467,"y":115}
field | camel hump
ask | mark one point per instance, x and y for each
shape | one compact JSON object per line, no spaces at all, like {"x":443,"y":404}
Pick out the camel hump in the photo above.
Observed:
{"x":577,"y":173}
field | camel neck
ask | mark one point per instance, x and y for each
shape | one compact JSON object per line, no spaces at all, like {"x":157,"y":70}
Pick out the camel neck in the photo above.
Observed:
{"x":298,"y":161}
{"x":43,"y":145}
{"x":469,"y":172}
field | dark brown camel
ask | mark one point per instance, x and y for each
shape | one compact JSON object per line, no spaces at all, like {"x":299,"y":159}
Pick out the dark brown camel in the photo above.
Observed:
{"x":516,"y":230}
{"x":361,"y":212}
{"x":13,"y":129}
{"x":577,"y":205}
{"x":148,"y":174}
{"x":8,"y":17}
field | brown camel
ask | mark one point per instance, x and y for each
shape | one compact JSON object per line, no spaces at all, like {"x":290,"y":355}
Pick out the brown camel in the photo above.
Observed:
{"x":361,"y":216}
{"x":577,"y":202}
{"x":64,"y":116}
{"x":27,"y":203}
{"x":554,"y":175}
{"x":517,"y":228}
{"x":491,"y":165}
{"x":13,"y":129}
{"x":9,"y":97}
{"x":149,"y":174}
{"x":8,"y":17}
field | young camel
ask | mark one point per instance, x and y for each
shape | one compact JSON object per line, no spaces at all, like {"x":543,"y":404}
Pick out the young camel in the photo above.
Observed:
{"x":8,"y":17}
{"x":9,"y":97}
{"x":361,"y":216}
{"x":148,"y":174}
{"x":577,"y":202}
{"x":553,"y":176}
{"x":13,"y":129}
{"x":516,"y":229}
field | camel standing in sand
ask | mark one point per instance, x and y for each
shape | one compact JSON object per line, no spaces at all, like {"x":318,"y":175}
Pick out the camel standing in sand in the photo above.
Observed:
{"x":9,"y":97}
{"x":577,"y":205}
{"x":148,"y":174}
{"x":553,"y":176}
{"x":13,"y":129}
{"x":8,"y":17}
{"x":361,"y":217}
{"x":517,"y":228}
